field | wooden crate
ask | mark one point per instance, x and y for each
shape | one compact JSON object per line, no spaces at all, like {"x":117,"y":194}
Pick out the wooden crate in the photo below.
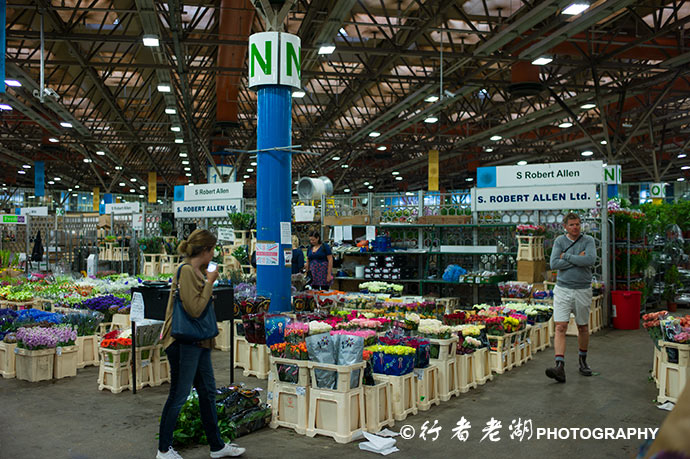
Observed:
{"x":161,"y":366}
{"x":35,"y":365}
{"x":448,"y":378}
{"x":404,"y":394}
{"x":258,"y":361}
{"x":595,"y":317}
{"x":656,"y":366}
{"x":114,"y":372}
{"x":540,"y":336}
{"x":502,"y":352}
{"x":7,"y":360}
{"x":65,"y":365}
{"x":530,"y":248}
{"x":482,"y":366}
{"x":152,"y":264}
{"x":223,"y":338}
{"x":673,"y":376}
{"x":522,"y":347}
{"x":302,"y":370}
{"x":144,"y":362}
{"x":428,"y":387}
{"x":466,"y":373}
{"x":87,"y":351}
{"x":339,"y":412}
{"x":378,"y":406}
{"x":120,"y":322}
{"x":449,"y":303}
{"x":242,"y":352}
{"x":446,"y":347}
{"x":289,"y":406}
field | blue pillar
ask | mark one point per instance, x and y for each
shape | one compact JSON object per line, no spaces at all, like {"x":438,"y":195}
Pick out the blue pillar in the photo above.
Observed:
{"x":612,"y":191}
{"x":273,"y":188}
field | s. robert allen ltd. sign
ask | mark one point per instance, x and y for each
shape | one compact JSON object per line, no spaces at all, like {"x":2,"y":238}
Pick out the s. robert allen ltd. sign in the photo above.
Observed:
{"x":541,"y":174}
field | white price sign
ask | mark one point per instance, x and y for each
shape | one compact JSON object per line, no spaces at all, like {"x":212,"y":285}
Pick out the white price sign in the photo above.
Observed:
{"x":138,"y":221}
{"x":537,"y":198}
{"x":226,"y":234}
{"x":136,"y":312}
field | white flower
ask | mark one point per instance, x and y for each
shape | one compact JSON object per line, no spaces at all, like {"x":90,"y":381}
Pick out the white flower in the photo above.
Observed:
{"x":316,"y":327}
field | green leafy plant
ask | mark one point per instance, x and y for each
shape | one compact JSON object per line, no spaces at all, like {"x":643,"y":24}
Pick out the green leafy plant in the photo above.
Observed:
{"x":166,"y":228}
{"x":150,"y":244}
{"x":240,"y":253}
{"x":242,"y":221}
{"x":671,"y":284}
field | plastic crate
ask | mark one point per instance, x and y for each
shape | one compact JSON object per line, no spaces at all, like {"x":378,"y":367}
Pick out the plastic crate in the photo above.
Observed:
{"x":161,"y":366}
{"x":466,"y":373}
{"x":673,"y":376}
{"x":540,"y":337}
{"x":530,"y":248}
{"x":446,"y":347}
{"x":302,"y":373}
{"x":378,"y":406}
{"x":87,"y":351}
{"x":258,"y":361}
{"x":66,"y":359}
{"x":114,"y":372}
{"x":482,"y":366}
{"x":7,"y":360}
{"x":289,"y":406}
{"x":404,"y":394}
{"x":34,"y":365}
{"x":428,"y":386}
{"x":448,"y":378}
{"x":223,"y":339}
{"x":241,"y":350}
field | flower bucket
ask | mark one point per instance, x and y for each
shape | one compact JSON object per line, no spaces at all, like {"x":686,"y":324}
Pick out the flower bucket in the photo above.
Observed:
{"x":398,"y":365}
{"x":34,"y":365}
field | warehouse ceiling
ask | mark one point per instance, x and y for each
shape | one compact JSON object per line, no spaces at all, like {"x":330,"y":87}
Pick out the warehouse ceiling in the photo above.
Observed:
{"x":405,"y":77}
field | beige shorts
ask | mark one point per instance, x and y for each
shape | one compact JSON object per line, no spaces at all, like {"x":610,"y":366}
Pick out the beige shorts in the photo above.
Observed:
{"x":569,"y":300}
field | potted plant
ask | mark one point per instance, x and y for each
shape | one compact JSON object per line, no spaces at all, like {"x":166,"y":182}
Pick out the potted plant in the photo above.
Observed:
{"x":166,"y":227}
{"x":671,"y":286}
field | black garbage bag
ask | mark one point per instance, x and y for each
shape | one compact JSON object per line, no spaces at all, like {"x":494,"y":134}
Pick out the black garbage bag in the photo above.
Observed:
{"x":37,"y":252}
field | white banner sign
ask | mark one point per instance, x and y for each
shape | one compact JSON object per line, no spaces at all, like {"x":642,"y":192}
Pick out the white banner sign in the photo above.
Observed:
{"x":226,"y":234}
{"x":274,"y":58}
{"x":267,"y":253}
{"x":537,"y":198}
{"x":122,"y":208}
{"x":138,"y":221}
{"x":541,"y":174}
{"x":206,"y":209}
{"x":39,"y":211}
{"x":613,"y":175}
{"x":209,"y":192}
{"x":304,"y":213}
{"x":657,"y":190}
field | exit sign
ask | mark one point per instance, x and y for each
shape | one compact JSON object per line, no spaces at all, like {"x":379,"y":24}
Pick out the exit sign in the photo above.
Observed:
{"x":275,"y":58}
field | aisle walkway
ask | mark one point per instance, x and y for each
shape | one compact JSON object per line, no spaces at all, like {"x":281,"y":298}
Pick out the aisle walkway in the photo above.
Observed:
{"x":71,"y":419}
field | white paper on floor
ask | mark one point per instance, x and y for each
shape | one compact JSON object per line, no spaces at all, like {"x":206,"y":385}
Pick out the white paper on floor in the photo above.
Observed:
{"x":380,"y":445}
{"x":387,"y":433}
{"x":668,"y":406}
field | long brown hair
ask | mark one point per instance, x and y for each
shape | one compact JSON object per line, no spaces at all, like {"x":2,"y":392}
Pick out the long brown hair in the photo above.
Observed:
{"x":197,"y":242}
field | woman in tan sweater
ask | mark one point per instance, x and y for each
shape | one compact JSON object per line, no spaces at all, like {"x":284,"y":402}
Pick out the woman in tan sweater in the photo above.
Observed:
{"x":190,"y":363}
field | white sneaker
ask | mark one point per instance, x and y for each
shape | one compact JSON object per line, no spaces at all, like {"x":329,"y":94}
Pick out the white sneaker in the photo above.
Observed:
{"x":171,"y":454}
{"x":229,"y":450}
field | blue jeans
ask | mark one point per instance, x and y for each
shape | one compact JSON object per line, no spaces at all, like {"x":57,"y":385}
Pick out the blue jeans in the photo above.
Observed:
{"x":190,"y":365}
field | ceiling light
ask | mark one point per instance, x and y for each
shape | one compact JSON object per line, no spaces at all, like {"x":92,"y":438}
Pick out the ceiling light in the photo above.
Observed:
{"x":26,"y":166}
{"x":684,"y":168}
{"x":170,"y":111}
{"x":150,"y":40}
{"x":118,"y":168}
{"x":188,"y":175}
{"x":100,"y":153}
{"x":680,"y":179}
{"x":21,"y":171}
{"x":53,"y":140}
{"x":542,"y":60}
{"x":326,"y":49}
{"x":344,"y":166}
{"x":336,"y":158}
{"x":374,"y":134}
{"x":565,"y":125}
{"x":346,"y":190}
{"x":431,"y":99}
{"x":246,"y":176}
{"x":133,"y":179}
{"x":66,"y":124}
{"x":294,"y":192}
{"x":398,"y":178}
{"x":50,"y":182}
{"x":187,"y":168}
{"x":179,"y":140}
{"x":57,"y":179}
{"x":5,"y":107}
{"x":76,"y":186}
{"x":141,"y":195}
{"x":253,"y":163}
{"x":469,"y":179}
{"x":132,"y":190}
{"x":575,"y":8}
{"x":298,"y":94}
{"x":123,"y":184}
{"x":313,"y":171}
{"x":431,"y":120}
{"x":522,"y":163}
{"x":366,"y":183}
{"x":175,"y":128}
{"x":185,"y":162}
{"x":69,"y":189}
{"x":87,"y":160}
{"x":164,"y":88}
{"x":13,"y":83}
{"x":142,"y":187}
{"x":488,"y":149}
{"x":682,"y":155}
{"x":249,"y":169}
{"x":603,"y":142}
{"x":183,"y":154}
{"x":587,"y":153}
{"x":588,"y":106}
{"x":382,"y":148}
{"x":604,"y":164}
{"x":495,"y":138}
{"x":395,"y":173}
{"x":626,"y":125}
{"x":371,"y":187}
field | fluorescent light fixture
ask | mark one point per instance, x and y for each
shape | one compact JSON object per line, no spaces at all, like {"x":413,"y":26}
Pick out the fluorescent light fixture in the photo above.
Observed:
{"x":21,"y":171}
{"x":13,"y":83}
{"x":185,"y":162}
{"x":344,"y":166}
{"x":298,"y":94}
{"x":118,"y":168}
{"x":522,"y":163}
{"x":179,"y":140}
{"x":245,"y":176}
{"x":431,"y":120}
{"x":66,"y":124}
{"x":431,"y":99}
{"x":188,"y":174}
{"x":253,"y":163}
{"x":123,"y":184}
{"x":313,"y":171}
{"x":76,"y":186}
{"x":57,"y":179}
{"x":395,"y":173}
{"x":684,"y":168}
{"x":382,"y":148}
{"x":133,"y":179}
{"x":542,"y":60}
{"x":366,"y":184}
{"x":488,"y":149}
{"x":374,"y":134}
{"x":326,"y":49}
{"x":587,"y":153}
{"x":249,"y":169}
{"x":26,"y":166}
{"x":626,"y":125}
{"x":565,"y":125}
{"x":682,"y":155}
{"x":469,"y":179}
{"x":53,"y":140}
{"x":142,"y":187}
{"x":87,"y":160}
{"x":371,"y":187}
{"x":5,"y":107}
{"x":50,"y":182}
{"x":336,"y":158}
{"x":680,"y":179}
{"x":100,"y":153}
{"x":132,"y":190}
{"x":183,"y":155}
{"x":150,"y":40}
{"x":175,"y":128}
{"x":141,"y":195}
{"x":588,"y":106}
{"x":346,"y":190}
{"x":495,"y":138}
{"x":398,"y":178}
{"x":170,"y":111}
{"x":575,"y":8}
{"x":164,"y":88}
{"x":603,"y":142}
{"x":294,"y":192}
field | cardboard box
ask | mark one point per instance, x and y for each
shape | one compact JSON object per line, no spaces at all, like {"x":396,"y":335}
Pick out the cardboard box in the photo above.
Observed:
{"x":104,"y":221}
{"x":531,"y":271}
{"x":348,"y":220}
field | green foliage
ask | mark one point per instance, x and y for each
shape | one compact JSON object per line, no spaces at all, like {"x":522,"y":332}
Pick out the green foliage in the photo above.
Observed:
{"x":671,"y":284}
{"x":166,"y":227}
{"x":240,"y":253}
{"x":151,"y":244}
{"x":242,"y":221}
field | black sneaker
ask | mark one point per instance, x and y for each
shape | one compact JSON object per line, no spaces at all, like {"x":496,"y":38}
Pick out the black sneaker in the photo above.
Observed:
{"x":557,"y":372}
{"x":584,"y":368}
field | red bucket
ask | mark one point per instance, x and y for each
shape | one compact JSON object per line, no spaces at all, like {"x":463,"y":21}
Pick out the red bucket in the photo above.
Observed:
{"x":625,"y":306}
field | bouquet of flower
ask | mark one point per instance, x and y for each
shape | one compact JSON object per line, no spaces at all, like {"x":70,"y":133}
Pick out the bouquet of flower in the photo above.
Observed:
{"x":468,"y":345}
{"x":530,"y":230}
{"x":66,"y":335}
{"x":651,"y":323}
{"x":423,"y":354}
{"x":117,"y":339}
{"x":511,"y":324}
{"x":7,"y":318}
{"x":432,"y":328}
{"x":86,"y":323}
{"x":278,"y":350}
{"x":514,"y":289}
{"x":494,"y":326}
{"x":296,"y":332}
{"x":317,"y":327}
{"x":37,"y":338}
{"x":369,"y":336}
{"x":106,"y":304}
{"x":456,"y":318}
{"x":682,"y":337}
{"x":297,"y":351}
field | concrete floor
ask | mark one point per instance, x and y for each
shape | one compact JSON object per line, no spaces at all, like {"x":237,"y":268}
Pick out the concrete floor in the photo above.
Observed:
{"x":72,"y":419}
